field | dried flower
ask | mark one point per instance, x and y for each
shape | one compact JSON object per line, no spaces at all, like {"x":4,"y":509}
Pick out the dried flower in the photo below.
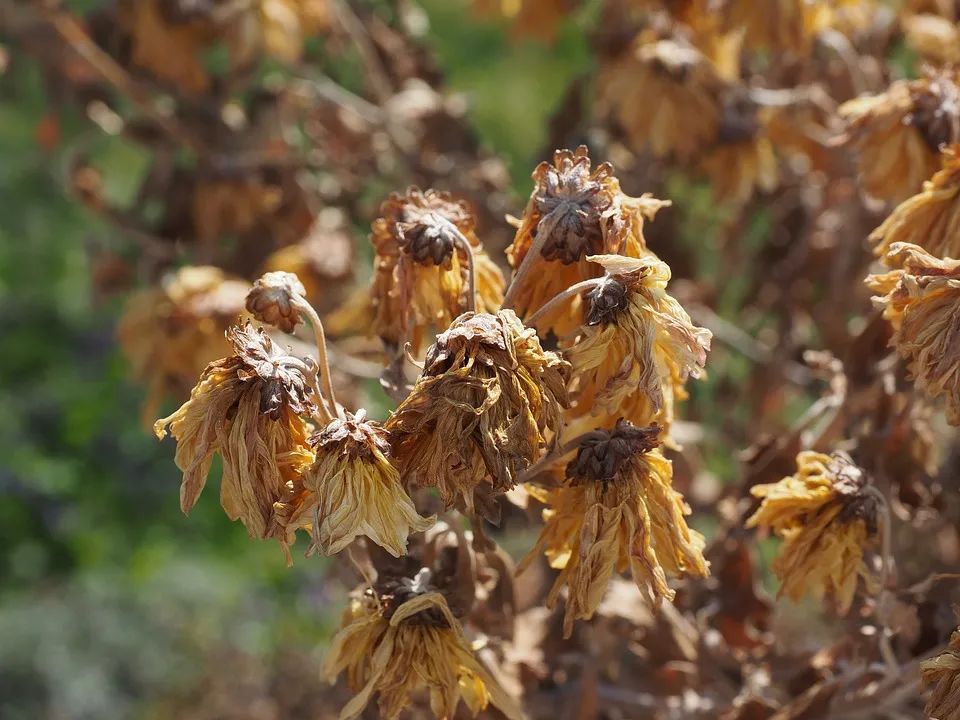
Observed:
{"x":248,"y":408}
{"x":356,"y":490}
{"x":898,"y":133}
{"x":420,"y":279}
{"x":788,"y":25}
{"x":480,"y":410}
{"x":321,"y":261}
{"x":943,"y":672}
{"x":689,"y":94}
{"x":936,"y":39}
{"x":396,"y":643}
{"x":273,"y":300}
{"x":171,"y":332}
{"x":616,"y":509}
{"x":929,"y":219}
{"x":574,"y":211}
{"x":826,"y":516}
{"x":921,"y":300}
{"x":742,"y":158}
{"x":638,"y":346}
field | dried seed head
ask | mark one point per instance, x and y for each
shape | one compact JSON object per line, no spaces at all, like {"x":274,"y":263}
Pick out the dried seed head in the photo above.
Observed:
{"x":571,"y":201}
{"x":285,"y":378}
{"x":353,"y":436}
{"x":395,"y":591}
{"x":603,"y":453}
{"x":605,"y":301}
{"x":419,"y":223}
{"x":272,"y":300}
{"x":936,"y":111}
{"x":478,"y":335}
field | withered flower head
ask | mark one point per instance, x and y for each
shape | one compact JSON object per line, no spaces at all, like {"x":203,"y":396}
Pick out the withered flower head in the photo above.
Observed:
{"x":481,"y":409}
{"x":402,"y":636}
{"x":272,"y":300}
{"x":921,"y":300}
{"x":616,"y":509}
{"x":898,"y":133}
{"x":788,"y":25}
{"x":929,"y":219}
{"x":248,"y":408}
{"x":943,"y":672}
{"x":638,"y":346}
{"x":689,"y":98}
{"x":353,"y":490}
{"x":826,"y":517}
{"x":420,"y":278}
{"x":574,"y":211}
{"x":169,"y":333}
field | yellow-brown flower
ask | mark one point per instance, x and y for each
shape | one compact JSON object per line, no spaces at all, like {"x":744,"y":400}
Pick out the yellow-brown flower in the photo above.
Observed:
{"x":931,"y":218}
{"x":574,"y":211}
{"x":826,"y":517}
{"x":783,"y":25}
{"x":248,"y":408}
{"x":741,"y":159}
{"x":406,"y":639}
{"x":481,"y":410}
{"x":616,"y":509}
{"x":171,"y":332}
{"x":355,"y":490}
{"x":898,"y":133}
{"x":689,"y":96}
{"x":273,"y":300}
{"x":638,"y":346}
{"x":943,"y":672}
{"x":921,"y":300}
{"x":934,"y":38}
{"x":421,"y":272}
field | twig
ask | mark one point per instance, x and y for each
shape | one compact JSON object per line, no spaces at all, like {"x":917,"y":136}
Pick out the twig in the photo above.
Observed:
{"x":561,"y":297}
{"x":354,"y":27}
{"x":464,"y":245}
{"x":307,"y":309}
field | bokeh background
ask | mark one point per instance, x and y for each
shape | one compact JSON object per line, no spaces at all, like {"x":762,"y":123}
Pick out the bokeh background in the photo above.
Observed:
{"x":113,"y":604}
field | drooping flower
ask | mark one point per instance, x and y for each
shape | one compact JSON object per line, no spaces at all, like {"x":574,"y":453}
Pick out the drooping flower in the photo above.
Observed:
{"x":826,"y":517}
{"x":791,"y":25}
{"x":921,"y":300}
{"x":616,"y":509}
{"x":170,"y":333}
{"x":898,"y":133}
{"x":421,"y":272}
{"x":354,"y":490}
{"x":402,"y":636}
{"x":248,"y":408}
{"x":637,"y":347}
{"x":931,"y":218}
{"x":943,"y":672}
{"x":272,"y":300}
{"x":703,"y":120}
{"x":574,"y":211}
{"x":481,"y":410}
{"x":689,"y":94}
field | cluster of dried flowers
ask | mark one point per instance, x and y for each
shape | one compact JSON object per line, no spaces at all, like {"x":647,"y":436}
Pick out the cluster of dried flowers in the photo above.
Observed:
{"x":547,"y":390}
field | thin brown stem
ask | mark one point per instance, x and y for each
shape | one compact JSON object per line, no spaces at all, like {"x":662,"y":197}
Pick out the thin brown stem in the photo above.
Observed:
{"x":464,"y":243}
{"x":525,"y":267}
{"x":322,"y":360}
{"x":562,"y":297}
{"x":886,"y":561}
{"x":551,"y":456}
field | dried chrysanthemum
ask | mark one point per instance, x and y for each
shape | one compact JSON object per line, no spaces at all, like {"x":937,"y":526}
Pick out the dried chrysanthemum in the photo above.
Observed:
{"x":826,"y":515}
{"x":921,"y":300}
{"x":931,"y":218}
{"x":741,"y":158}
{"x":171,"y":332}
{"x":403,"y":636}
{"x":638,"y":345}
{"x":273,"y":300}
{"x":421,"y":277}
{"x":936,"y":39}
{"x":943,"y":672}
{"x":689,"y":98}
{"x":248,"y":408}
{"x":574,"y":211}
{"x":616,"y":509}
{"x":354,"y":490}
{"x":898,"y":133}
{"x":787,"y":25}
{"x":481,"y":410}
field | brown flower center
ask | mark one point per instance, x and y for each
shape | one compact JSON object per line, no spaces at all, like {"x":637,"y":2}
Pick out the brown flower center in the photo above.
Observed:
{"x":936,"y":113}
{"x":604,"y":453}
{"x":395,"y":591}
{"x":605,"y":301}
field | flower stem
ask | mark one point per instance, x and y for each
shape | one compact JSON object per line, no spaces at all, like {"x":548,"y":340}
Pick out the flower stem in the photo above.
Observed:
{"x":561,"y":297}
{"x":464,"y":244}
{"x":886,"y":562}
{"x":307,"y":309}
{"x":525,"y":265}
